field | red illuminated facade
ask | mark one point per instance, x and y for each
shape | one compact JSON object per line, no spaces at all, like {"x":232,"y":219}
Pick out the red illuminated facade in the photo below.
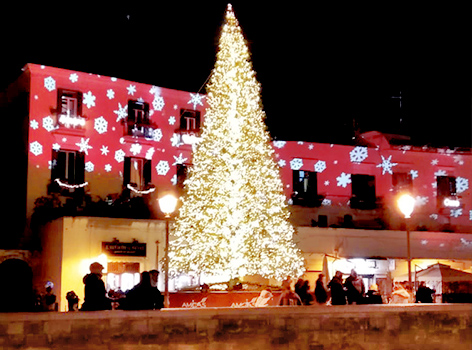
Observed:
{"x":97,"y":142}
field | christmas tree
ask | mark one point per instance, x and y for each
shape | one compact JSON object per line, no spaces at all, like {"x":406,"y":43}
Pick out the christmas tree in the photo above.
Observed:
{"x":234,"y":218}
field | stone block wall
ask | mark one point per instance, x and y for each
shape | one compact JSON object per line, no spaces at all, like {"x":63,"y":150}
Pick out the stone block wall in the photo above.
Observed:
{"x":372,"y":327}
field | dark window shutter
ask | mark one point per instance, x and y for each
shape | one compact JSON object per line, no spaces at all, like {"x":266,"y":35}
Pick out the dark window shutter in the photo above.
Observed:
{"x":79,"y":103}
{"x":126,"y":171}
{"x":79,"y":168}
{"x":147,"y":170}
{"x":58,"y":162}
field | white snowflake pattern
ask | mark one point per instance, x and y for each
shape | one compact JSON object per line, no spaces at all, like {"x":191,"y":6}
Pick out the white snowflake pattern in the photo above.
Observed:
{"x":414,"y":174}
{"x":104,"y":150}
{"x":282,"y":163}
{"x":157,"y":135}
{"x":119,"y":156}
{"x":34,"y":124}
{"x":344,"y":179}
{"x":358,"y":154}
{"x":110,"y":94}
{"x":83,"y":145}
{"x":121,"y":112}
{"x":462,"y":184}
{"x":89,"y":167}
{"x":162,"y":167}
{"x":171,"y":120}
{"x":326,"y":202}
{"x":279,"y":144}
{"x":155,"y":90}
{"x":196,"y":99}
{"x":434,"y":162}
{"x":36,"y":148}
{"x":150,"y":153}
{"x":326,"y":183}
{"x":320,"y":166}
{"x":73,"y":77}
{"x":50,"y":83}
{"x":179,"y":160}
{"x":131,"y":89}
{"x":296,"y":163}
{"x":440,"y":173}
{"x":455,"y":213}
{"x":100,"y":125}
{"x":56,"y":146}
{"x":421,"y":200}
{"x":470,"y":215}
{"x":136,"y":148}
{"x":386,"y":165}
{"x":158,"y":103}
{"x":48,"y":123}
{"x":107,"y":168}
{"x":89,"y":99}
{"x":175,"y":140}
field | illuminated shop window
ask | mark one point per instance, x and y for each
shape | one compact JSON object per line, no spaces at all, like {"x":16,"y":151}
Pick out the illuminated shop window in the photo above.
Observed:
{"x":138,"y":121}
{"x":137,"y":173}
{"x":122,"y":276}
{"x":363,"y":192}
{"x":189,"y":120}
{"x":69,"y":109}
{"x":305,"y":191}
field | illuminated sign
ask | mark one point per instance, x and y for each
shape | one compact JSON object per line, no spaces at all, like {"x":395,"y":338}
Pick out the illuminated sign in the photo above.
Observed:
{"x":451,"y":203}
{"x":124,"y":249}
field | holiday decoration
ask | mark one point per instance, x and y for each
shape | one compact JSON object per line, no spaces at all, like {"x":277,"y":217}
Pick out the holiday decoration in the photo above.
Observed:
{"x":234,"y":220}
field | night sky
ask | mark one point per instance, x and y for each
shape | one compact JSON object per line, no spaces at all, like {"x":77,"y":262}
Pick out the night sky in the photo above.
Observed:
{"x":325,"y":67}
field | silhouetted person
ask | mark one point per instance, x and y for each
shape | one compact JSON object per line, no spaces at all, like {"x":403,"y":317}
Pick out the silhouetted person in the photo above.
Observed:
{"x":289,"y":298}
{"x":338,"y":296}
{"x":143,"y":296}
{"x":355,"y":288}
{"x":424,"y":294}
{"x":320,"y":291}
{"x":95,"y":292}
{"x":49,"y":298}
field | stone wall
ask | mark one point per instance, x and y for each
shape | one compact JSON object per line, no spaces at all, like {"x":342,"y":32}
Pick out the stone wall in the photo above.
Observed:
{"x":431,"y":327}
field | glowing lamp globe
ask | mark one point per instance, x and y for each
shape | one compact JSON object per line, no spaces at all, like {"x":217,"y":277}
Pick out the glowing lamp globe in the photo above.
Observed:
{"x":167,"y":204}
{"x":406,"y":204}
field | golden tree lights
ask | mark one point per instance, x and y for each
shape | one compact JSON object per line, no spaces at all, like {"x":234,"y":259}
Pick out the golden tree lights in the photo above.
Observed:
{"x":234,"y":217}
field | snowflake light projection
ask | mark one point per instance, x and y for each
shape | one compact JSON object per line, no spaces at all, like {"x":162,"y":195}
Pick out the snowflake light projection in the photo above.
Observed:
{"x":48,"y":124}
{"x":175,"y":140}
{"x":279,"y":144}
{"x":34,"y":124}
{"x":83,"y":145}
{"x":36,"y":148}
{"x":131,"y":89}
{"x":104,"y":150}
{"x":100,"y":125}
{"x":462,"y":184}
{"x":320,"y":166}
{"x":455,"y":213}
{"x":358,"y":154}
{"x":149,"y":153}
{"x":119,"y":156}
{"x":89,"y":99}
{"x":162,"y":167}
{"x":107,"y":168}
{"x":344,"y":179}
{"x":386,"y":165}
{"x":282,"y":163}
{"x":158,"y":103}
{"x":171,"y":120}
{"x":179,"y":160}
{"x":74,"y":77}
{"x":136,"y":148}
{"x":414,"y":174}
{"x":110,"y":94}
{"x":157,"y":135}
{"x":196,"y":99}
{"x":50,"y":83}
{"x":89,"y":167}
{"x":296,"y":164}
{"x":121,"y":112}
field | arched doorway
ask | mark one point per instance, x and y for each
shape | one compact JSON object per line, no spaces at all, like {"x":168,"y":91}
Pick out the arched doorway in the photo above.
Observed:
{"x":16,"y":294}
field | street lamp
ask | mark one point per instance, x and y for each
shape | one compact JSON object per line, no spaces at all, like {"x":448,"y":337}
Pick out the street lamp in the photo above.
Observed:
{"x":406,"y":204}
{"x":167,"y":205}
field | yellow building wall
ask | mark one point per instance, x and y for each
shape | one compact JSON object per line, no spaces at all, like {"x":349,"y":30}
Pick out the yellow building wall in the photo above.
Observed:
{"x":82,"y":239}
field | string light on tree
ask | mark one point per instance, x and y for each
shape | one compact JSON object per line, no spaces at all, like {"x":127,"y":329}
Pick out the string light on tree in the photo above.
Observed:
{"x":234,"y":217}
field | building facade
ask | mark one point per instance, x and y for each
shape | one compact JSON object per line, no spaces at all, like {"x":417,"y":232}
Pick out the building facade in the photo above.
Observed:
{"x":97,"y":152}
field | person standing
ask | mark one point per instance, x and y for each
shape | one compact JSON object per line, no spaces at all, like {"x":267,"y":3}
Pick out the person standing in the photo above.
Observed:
{"x":95,"y":291}
{"x":320,"y":291}
{"x":338,"y":296}
{"x":143,"y":296}
{"x":355,"y":288}
{"x":424,"y":294}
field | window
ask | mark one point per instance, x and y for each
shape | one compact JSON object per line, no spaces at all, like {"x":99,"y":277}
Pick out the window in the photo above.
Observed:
{"x":189,"y":120}
{"x":182,"y":171}
{"x":446,"y":190}
{"x":137,"y":173}
{"x":69,"y":109}
{"x":305,"y":188}
{"x":138,"y":122}
{"x":402,"y":181}
{"x":363,"y":192}
{"x":67,"y":170}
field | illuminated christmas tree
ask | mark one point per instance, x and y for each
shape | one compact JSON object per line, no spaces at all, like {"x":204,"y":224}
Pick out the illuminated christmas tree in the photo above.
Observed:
{"x":234,"y":217}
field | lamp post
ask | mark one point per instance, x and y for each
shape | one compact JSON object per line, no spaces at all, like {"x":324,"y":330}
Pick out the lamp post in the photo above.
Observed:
{"x":406,"y":204}
{"x":167,"y":205}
